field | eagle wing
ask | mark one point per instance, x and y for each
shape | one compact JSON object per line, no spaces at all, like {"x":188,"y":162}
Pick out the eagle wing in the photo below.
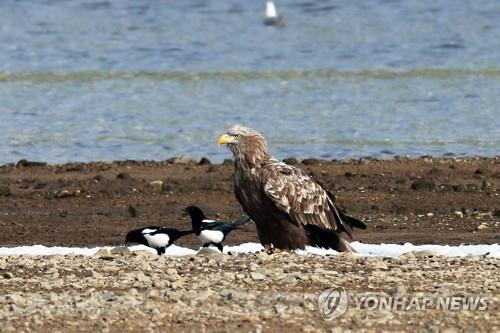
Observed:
{"x":298,"y":195}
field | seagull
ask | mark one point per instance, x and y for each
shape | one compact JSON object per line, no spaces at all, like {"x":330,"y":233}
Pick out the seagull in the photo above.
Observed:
{"x":272,"y":17}
{"x":158,"y":238}
{"x":211,"y":232}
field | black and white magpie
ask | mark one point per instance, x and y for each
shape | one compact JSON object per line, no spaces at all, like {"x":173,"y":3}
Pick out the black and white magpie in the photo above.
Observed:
{"x":158,"y":238}
{"x":211,"y":232}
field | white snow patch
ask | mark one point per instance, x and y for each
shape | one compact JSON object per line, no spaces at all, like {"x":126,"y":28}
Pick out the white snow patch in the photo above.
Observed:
{"x":385,"y":250}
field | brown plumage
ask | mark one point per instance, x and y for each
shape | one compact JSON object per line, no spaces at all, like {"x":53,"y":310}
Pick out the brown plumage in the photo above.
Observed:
{"x":289,"y":208}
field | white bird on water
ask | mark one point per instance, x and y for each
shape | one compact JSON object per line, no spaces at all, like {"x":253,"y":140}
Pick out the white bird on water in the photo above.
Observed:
{"x":272,"y":17}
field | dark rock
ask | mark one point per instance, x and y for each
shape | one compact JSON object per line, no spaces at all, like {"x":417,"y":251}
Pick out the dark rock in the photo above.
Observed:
{"x":459,"y":188}
{"x":435,"y":171}
{"x":401,"y":181}
{"x":423,"y":184}
{"x":74,"y":167}
{"x":40,"y":185}
{"x":446,"y":188}
{"x":98,"y":178}
{"x":27,"y":164}
{"x":132,"y":211}
{"x":4,"y":191}
{"x":496,"y":212}
{"x":228,"y":162}
{"x":310,"y":161}
{"x":123,"y":175}
{"x":471,"y":188}
{"x":349,"y":174}
{"x":481,"y":171}
{"x":291,"y":161}
{"x":204,"y":161}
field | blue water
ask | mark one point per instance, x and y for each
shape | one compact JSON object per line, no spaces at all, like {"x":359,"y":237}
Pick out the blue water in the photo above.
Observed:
{"x":99,"y":80}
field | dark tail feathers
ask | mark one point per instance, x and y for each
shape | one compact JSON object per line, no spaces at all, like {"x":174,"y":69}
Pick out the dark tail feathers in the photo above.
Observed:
{"x":326,"y":239}
{"x":351,"y":221}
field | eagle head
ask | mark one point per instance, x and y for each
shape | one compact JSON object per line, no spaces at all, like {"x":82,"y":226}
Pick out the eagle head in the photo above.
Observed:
{"x":246,"y":144}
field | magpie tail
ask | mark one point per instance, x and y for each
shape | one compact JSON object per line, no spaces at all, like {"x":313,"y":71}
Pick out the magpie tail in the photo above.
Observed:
{"x":242,"y":220}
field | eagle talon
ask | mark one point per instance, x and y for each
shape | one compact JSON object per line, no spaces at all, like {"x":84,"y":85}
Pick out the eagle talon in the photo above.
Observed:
{"x":273,"y":250}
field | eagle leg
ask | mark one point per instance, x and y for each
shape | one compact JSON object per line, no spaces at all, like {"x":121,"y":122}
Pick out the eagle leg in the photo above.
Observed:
{"x":220,"y":247}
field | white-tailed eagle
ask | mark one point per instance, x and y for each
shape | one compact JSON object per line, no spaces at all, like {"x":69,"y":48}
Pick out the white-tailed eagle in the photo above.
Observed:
{"x":289,"y":208}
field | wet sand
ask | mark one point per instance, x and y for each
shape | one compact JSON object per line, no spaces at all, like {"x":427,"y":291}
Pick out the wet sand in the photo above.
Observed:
{"x":426,"y":200}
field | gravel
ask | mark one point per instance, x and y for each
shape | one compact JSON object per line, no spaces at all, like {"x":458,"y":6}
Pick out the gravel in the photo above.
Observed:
{"x":115,"y":291}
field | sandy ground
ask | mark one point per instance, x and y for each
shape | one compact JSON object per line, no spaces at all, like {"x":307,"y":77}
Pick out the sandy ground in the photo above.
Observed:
{"x":427,"y":200}
{"x":441,"y":201}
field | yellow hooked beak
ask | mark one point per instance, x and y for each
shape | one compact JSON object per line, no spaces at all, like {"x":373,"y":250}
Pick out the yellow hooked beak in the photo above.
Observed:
{"x":225,"y":139}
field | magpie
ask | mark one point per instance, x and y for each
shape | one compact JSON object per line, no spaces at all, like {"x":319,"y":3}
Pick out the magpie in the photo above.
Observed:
{"x":212,"y":232}
{"x":158,"y":238}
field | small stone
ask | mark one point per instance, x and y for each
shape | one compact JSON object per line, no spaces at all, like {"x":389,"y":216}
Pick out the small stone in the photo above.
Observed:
{"x":132,"y":211}
{"x":365,"y":160}
{"x":121,"y":250}
{"x":7,"y":275}
{"x":423,"y":185}
{"x":397,"y":289}
{"x":123,"y":176}
{"x":228,"y":162}
{"x":160,"y":284}
{"x":88,"y":273}
{"x":102,"y":253}
{"x":486,"y":185}
{"x":257,"y":276}
{"x":26,"y":163}
{"x":310,"y":161}
{"x":291,"y":161}
{"x":156,"y":185}
{"x":139,"y":276}
{"x":379,"y":264}
{"x":64,"y":193}
{"x":227,"y":293}
{"x":182,"y":160}
{"x":483,"y":226}
{"x":4,"y":191}
{"x":459,"y":214}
